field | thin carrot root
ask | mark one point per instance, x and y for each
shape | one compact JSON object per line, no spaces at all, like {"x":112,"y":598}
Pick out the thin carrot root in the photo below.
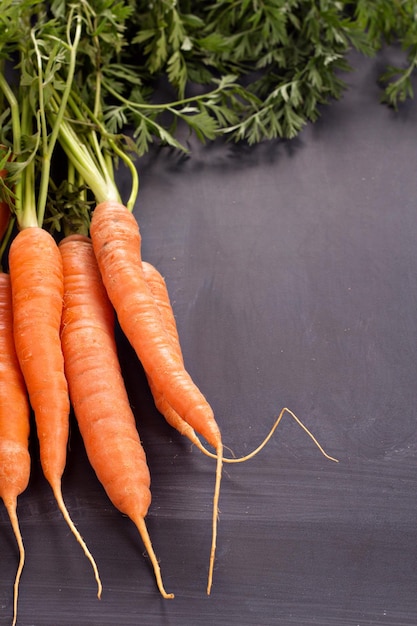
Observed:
{"x":254,"y":452}
{"x":143,"y":531}
{"x":221,"y":459}
{"x":186,"y":430}
{"x":11,"y":505}
{"x":62,"y":507}
{"x":219,"y":467}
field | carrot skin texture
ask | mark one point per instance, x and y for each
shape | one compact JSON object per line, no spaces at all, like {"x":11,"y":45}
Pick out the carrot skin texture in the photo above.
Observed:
{"x":96,"y":386}
{"x":14,"y":425}
{"x":97,"y":391}
{"x":116,"y":241}
{"x":37,"y":287}
{"x":37,"y":281}
{"x":159,"y":291}
{"x":158,"y":288}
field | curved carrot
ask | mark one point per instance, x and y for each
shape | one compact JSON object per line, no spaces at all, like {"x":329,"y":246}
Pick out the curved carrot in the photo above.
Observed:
{"x":14,"y":425}
{"x":157,"y":285}
{"x":37,"y":289}
{"x":159,"y":292}
{"x":158,"y":288}
{"x":116,"y":241}
{"x":97,"y":389}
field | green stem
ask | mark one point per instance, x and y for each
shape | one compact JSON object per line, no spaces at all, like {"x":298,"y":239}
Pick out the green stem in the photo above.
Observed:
{"x":171,"y":106}
{"x":16,"y":132}
{"x":134,"y":174}
{"x":14,"y":110}
{"x":26,"y":213}
{"x":104,"y":162}
{"x":49,"y":144}
{"x":82,"y":159}
{"x":88,"y":118}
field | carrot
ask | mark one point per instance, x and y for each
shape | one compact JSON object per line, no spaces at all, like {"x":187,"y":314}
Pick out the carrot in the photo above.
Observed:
{"x":97,"y":389}
{"x":14,"y":425}
{"x":37,"y":289}
{"x":159,"y":290}
{"x":160,"y":293}
{"x":116,"y":242}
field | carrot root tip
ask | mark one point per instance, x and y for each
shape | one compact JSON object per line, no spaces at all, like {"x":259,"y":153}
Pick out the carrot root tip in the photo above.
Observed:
{"x":143,"y":531}
{"x":62,"y":507}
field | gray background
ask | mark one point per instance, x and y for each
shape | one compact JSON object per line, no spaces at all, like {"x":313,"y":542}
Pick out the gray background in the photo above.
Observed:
{"x":292,"y":269}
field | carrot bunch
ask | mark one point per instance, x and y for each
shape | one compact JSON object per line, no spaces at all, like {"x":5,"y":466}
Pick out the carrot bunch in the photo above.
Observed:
{"x":72,"y":272}
{"x":31,"y":363}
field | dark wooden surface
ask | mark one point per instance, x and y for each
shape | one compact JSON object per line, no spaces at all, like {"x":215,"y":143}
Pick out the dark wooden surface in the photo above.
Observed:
{"x":292,"y":269}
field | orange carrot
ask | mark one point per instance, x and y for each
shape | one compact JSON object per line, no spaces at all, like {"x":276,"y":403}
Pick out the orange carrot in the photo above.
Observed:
{"x":97,"y":389}
{"x":14,"y":425}
{"x":160,"y":293}
{"x":37,"y":289}
{"x":116,"y":241}
{"x":159,"y":290}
